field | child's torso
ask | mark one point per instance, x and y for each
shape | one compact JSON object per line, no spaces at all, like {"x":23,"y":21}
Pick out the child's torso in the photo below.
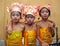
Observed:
{"x":45,"y":32}
{"x":30,"y":35}
{"x":14,"y":36}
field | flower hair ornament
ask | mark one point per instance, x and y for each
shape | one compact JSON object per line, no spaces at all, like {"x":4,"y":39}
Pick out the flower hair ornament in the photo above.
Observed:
{"x":15,"y":7}
{"x":49,"y":6}
{"x":31,"y":10}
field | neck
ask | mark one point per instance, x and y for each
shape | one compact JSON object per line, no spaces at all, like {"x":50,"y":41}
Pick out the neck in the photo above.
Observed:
{"x":15,"y":23}
{"x":44,"y":20}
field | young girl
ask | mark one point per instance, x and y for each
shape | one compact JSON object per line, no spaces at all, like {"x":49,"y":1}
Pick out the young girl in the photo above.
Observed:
{"x":30,"y":27}
{"x":14,"y":28}
{"x":45,"y":27}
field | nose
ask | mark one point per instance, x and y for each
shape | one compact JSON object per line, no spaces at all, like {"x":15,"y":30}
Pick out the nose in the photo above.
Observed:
{"x":15,"y":16}
{"x":29,"y":18}
{"x":44,"y":12}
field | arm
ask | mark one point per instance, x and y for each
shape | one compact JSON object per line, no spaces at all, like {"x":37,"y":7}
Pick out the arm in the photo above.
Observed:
{"x":5,"y":36}
{"x":52,"y":28}
{"x":8,"y":30}
{"x":53,"y":32}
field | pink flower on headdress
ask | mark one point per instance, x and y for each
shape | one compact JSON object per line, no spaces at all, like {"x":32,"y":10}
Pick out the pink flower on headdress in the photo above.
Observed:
{"x":31,"y":10}
{"x":49,"y":6}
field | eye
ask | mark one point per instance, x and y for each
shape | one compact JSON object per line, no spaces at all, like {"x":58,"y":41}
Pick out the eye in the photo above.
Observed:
{"x":13,"y":14}
{"x":42,"y":11}
{"x":17,"y":15}
{"x":47,"y":12}
{"x":32,"y":17}
{"x":27,"y":17}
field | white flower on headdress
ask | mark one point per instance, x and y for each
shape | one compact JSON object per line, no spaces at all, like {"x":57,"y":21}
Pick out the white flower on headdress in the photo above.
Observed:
{"x":15,"y":7}
{"x":31,"y":10}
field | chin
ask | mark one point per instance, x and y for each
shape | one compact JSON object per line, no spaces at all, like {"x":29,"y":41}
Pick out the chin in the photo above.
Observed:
{"x":45,"y":17}
{"x":15,"y":21}
{"x":30,"y":23}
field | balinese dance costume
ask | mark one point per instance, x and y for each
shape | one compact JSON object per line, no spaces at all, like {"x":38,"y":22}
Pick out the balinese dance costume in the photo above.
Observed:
{"x":45,"y":35}
{"x":14,"y":39}
{"x":30,"y":35}
{"x":30,"y":38}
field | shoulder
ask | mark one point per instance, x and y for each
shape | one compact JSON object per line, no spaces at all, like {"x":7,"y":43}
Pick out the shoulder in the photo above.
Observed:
{"x":22,"y":24}
{"x":9,"y":26}
{"x":52,"y":23}
{"x":38,"y":22}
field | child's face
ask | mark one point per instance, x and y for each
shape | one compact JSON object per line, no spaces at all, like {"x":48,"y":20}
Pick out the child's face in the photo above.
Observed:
{"x":15,"y":16}
{"x":29,"y":19}
{"x":44,"y":13}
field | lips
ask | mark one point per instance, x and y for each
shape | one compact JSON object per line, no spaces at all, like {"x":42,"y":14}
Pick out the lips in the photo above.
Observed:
{"x":15,"y":19}
{"x":45,"y":16}
{"x":29,"y":22}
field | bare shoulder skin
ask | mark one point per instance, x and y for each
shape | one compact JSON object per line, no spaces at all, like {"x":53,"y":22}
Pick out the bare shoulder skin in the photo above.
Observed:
{"x":10,"y":27}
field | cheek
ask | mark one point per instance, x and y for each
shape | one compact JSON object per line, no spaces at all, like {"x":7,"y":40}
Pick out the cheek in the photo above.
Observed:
{"x":12,"y":17}
{"x":27,"y":19}
{"x":42,"y":14}
{"x":32,"y":19}
{"x":47,"y":14}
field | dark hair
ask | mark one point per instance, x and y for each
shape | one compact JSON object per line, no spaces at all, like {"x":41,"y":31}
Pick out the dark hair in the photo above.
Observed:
{"x":29,"y":15}
{"x":42,"y":9}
